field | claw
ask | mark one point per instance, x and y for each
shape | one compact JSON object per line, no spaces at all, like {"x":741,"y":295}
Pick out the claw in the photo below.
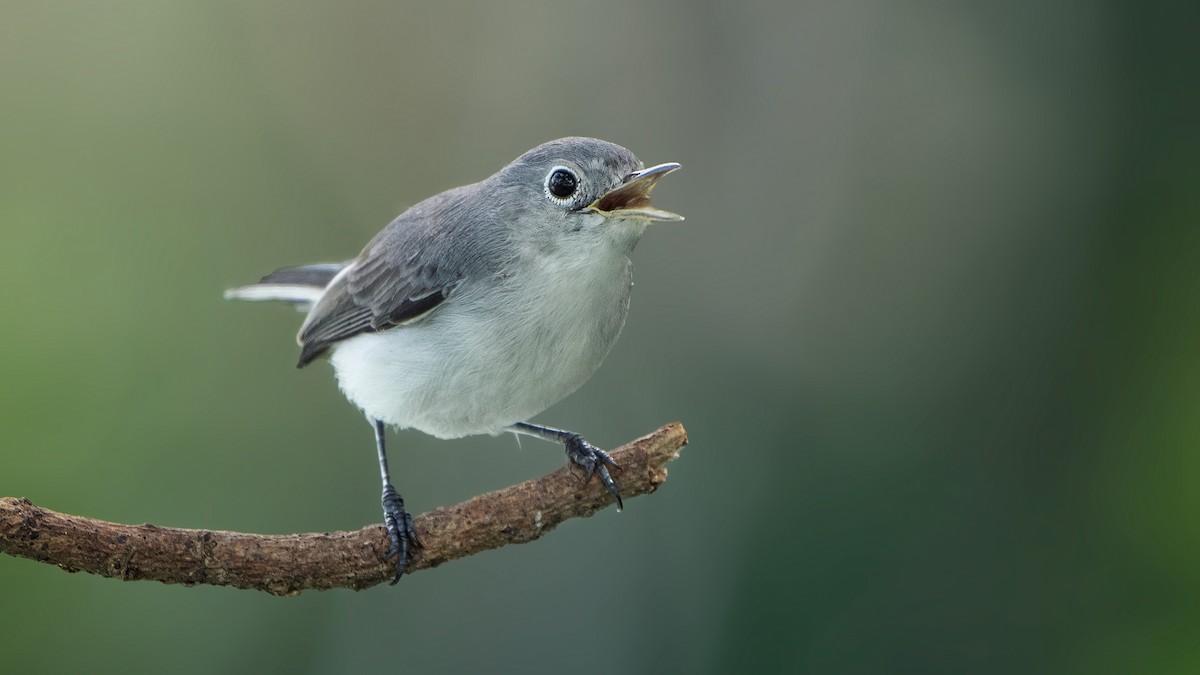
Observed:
{"x":593,"y":460}
{"x":401,"y":533}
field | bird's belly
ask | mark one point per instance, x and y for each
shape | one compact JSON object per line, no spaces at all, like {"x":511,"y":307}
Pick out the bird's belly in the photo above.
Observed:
{"x":481,"y":364}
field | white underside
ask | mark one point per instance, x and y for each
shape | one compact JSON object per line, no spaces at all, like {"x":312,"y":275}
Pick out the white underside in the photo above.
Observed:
{"x":492,"y":356}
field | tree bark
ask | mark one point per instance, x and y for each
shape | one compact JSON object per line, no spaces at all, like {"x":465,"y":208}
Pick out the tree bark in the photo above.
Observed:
{"x":290,"y":563}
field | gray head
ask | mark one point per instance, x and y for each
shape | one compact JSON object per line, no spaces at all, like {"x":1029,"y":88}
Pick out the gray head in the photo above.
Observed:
{"x":582,"y":185}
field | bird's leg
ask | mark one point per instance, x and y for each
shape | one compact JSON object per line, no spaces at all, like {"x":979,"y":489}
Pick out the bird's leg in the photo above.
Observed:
{"x":591,"y":459}
{"x":397,"y":521}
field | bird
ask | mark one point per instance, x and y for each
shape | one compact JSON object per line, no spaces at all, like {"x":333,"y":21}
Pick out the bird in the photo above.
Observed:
{"x":476,"y":309}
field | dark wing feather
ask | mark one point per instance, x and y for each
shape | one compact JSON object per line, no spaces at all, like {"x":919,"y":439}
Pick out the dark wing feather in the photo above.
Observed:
{"x":344,"y":314}
{"x":407,"y":271}
{"x":341,"y":318}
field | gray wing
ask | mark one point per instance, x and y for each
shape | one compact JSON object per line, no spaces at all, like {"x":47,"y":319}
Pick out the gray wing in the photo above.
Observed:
{"x":406,"y":272}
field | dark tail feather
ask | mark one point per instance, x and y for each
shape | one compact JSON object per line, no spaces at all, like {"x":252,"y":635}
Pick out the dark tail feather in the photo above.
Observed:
{"x":317,"y":276}
{"x":301,"y":285}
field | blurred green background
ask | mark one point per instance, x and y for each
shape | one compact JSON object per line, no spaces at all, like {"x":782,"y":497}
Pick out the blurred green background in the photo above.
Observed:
{"x":931,"y":324}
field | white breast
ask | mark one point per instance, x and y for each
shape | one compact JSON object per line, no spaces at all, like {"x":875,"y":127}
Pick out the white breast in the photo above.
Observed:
{"x":493,"y":354}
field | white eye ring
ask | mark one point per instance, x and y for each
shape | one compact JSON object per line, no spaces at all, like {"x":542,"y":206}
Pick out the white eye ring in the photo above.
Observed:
{"x":558,"y":178}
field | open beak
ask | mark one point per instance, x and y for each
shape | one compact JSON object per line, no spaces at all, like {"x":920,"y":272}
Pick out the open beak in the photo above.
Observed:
{"x":632,"y":198}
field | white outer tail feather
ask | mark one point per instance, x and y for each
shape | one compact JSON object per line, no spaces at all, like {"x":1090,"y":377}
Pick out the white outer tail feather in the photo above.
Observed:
{"x":302,"y":297}
{"x":301,"y":286}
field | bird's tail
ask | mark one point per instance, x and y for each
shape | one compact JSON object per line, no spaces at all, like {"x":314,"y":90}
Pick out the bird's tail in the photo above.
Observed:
{"x":300,"y":286}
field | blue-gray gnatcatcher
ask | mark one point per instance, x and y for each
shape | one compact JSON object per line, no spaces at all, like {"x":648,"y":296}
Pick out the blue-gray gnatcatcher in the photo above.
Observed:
{"x":482,"y":306}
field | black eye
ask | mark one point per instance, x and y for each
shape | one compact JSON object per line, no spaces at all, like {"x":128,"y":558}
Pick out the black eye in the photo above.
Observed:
{"x":562,"y":183}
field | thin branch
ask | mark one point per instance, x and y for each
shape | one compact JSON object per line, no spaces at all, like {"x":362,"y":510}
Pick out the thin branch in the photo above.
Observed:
{"x":287,"y":564}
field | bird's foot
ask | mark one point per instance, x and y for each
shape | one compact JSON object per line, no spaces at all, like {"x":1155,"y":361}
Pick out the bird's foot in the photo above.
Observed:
{"x":400,"y":530}
{"x":593,"y":460}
